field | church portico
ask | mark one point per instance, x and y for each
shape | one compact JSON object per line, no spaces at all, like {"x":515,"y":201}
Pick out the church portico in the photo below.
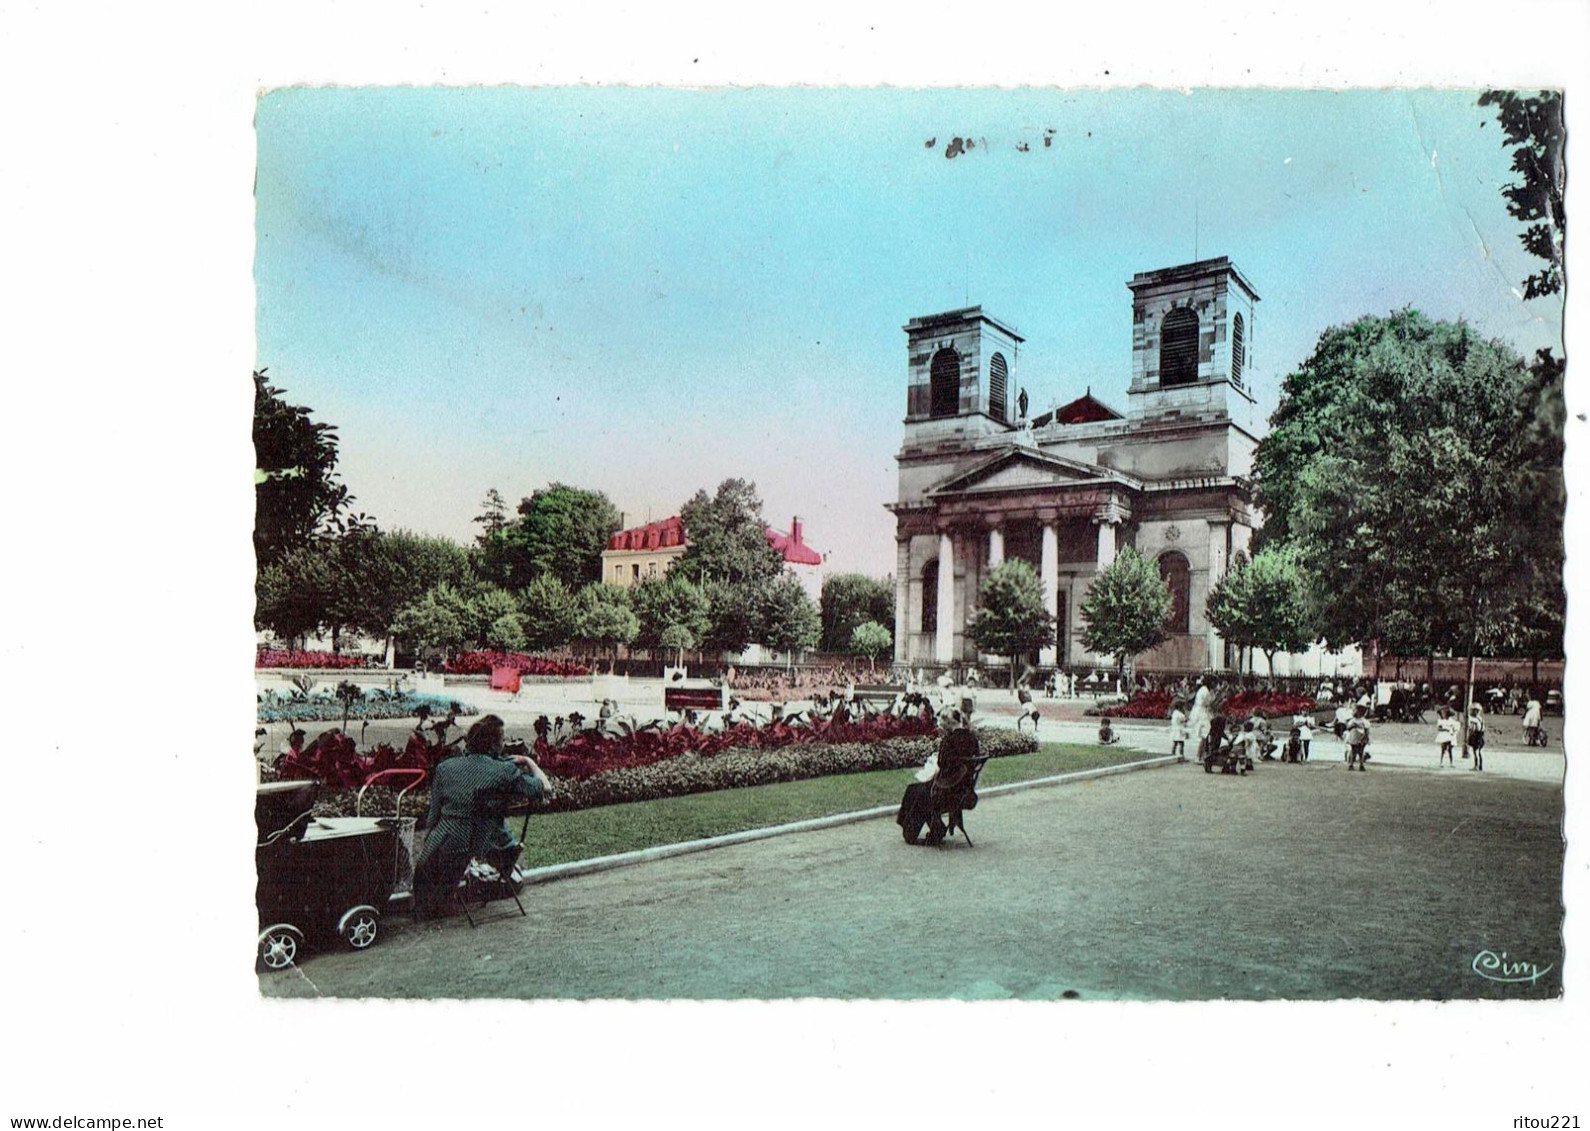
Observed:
{"x":1067,"y":490}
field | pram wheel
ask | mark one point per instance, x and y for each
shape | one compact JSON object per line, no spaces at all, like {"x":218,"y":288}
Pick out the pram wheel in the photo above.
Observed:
{"x":279,"y":946}
{"x":360,"y":926}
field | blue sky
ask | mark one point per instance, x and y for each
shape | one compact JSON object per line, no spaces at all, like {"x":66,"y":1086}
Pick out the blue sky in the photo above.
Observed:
{"x":645,"y":291}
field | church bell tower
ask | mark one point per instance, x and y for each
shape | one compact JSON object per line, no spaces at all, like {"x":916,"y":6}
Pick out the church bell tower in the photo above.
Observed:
{"x":1192,"y":343}
{"x":961,"y":376}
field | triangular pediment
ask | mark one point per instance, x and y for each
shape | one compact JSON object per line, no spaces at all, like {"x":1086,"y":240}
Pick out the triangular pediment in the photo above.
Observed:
{"x":1022,"y":469}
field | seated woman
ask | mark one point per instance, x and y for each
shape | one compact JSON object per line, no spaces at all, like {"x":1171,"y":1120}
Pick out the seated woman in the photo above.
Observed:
{"x":469,"y":795}
{"x":943,"y":786}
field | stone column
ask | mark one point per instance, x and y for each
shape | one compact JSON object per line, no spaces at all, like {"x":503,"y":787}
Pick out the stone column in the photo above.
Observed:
{"x":902,"y":600}
{"x":996,"y":547}
{"x":1106,"y":544}
{"x":944,"y":630}
{"x":1049,"y":577}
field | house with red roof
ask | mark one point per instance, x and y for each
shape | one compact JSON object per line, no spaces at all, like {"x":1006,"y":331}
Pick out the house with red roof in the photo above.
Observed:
{"x":642,"y":552}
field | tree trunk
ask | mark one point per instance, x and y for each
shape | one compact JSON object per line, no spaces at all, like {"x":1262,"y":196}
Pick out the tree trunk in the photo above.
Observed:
{"x":1429,"y":673}
{"x":1013,"y":671}
{"x":1468,"y":697}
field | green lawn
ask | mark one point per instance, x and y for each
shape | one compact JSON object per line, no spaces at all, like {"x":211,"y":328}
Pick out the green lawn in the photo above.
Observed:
{"x":556,"y":838}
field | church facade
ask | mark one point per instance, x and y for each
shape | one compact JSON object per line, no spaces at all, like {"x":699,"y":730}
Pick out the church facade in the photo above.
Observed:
{"x":980,"y":482}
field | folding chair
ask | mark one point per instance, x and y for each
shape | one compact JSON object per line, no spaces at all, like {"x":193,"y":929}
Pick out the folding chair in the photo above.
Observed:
{"x":954,"y":788}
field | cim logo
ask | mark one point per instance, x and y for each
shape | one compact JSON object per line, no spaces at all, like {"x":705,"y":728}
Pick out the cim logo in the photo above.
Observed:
{"x":1495,"y":967}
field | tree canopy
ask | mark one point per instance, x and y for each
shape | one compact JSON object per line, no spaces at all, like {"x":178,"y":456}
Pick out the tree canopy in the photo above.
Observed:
{"x":789,"y":619}
{"x":849,"y":600}
{"x":1126,"y":608}
{"x":1263,"y":603}
{"x":1011,"y":618}
{"x":1532,"y":125}
{"x":1406,"y":468}
{"x":296,"y":492}
{"x":673,"y":614}
{"x":727,"y":536}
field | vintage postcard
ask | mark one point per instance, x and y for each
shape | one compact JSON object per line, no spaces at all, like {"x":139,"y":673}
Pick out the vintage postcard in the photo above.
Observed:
{"x":651,"y":481}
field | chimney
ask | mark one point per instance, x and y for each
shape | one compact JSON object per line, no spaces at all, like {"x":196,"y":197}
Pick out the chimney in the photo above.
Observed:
{"x":795,"y":530}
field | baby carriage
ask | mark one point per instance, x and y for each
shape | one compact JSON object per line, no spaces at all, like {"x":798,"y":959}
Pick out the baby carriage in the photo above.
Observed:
{"x":318,"y":878}
{"x":940,"y":803}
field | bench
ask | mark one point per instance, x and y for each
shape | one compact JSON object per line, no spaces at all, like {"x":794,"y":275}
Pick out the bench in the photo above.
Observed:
{"x":698,"y":698}
{"x":878,"y":692}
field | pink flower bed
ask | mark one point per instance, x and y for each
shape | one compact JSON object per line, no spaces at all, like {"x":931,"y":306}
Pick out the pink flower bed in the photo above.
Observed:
{"x":481,"y":663}
{"x":294,"y":658}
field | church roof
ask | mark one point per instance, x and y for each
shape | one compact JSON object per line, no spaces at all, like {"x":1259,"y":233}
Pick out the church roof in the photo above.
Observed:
{"x":1086,"y":409}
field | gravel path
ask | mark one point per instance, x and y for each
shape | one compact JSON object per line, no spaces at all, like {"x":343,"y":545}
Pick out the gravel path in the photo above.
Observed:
{"x":1301,"y":882}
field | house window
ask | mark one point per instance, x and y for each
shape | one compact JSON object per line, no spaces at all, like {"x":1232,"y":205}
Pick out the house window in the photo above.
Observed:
{"x":930,"y":596}
{"x":634,"y":572}
{"x":1177,"y":574}
{"x":997,"y":375}
{"x":1237,"y":348}
{"x":1178,"y":348}
{"x":945,"y":399}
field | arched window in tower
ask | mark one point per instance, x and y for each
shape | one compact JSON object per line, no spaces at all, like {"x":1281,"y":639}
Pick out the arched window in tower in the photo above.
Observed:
{"x":930,"y":597}
{"x":1176,"y":573}
{"x":1238,"y":346}
{"x":946,"y":388}
{"x":997,"y":378}
{"x":1178,"y":348}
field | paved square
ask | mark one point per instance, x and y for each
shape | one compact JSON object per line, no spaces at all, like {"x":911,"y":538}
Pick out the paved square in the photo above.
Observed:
{"x":1295,"y":882}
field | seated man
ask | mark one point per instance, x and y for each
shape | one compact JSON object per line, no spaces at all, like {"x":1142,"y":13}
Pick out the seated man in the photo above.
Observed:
{"x":943,"y":786}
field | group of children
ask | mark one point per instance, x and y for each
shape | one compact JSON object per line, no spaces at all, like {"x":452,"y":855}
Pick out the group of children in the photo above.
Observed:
{"x":1446,"y":737}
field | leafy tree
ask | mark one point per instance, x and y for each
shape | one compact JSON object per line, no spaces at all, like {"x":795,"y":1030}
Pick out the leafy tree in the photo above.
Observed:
{"x":1126,"y":609}
{"x":1011,"y":619}
{"x":678,"y":639}
{"x":789,"y":620}
{"x":668,"y":603}
{"x":437,"y":620}
{"x":734,"y":613}
{"x":296,"y":492}
{"x":506,"y":633}
{"x":548,"y":613}
{"x":563,"y":531}
{"x":492,"y":614}
{"x":1532,"y":126}
{"x":851,"y":599}
{"x":871,"y":639}
{"x":1263,"y":603}
{"x":1408,"y":465}
{"x":603,"y":617}
{"x":499,"y":555}
{"x":290,"y":594}
{"x":727,"y":537}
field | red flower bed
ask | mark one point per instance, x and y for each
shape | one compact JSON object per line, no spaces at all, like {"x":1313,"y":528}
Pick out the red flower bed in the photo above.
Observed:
{"x":293,"y":658}
{"x":589,"y":753}
{"x":334,"y":759}
{"x":1143,"y":705}
{"x":481,"y":663}
{"x":1268,"y":703}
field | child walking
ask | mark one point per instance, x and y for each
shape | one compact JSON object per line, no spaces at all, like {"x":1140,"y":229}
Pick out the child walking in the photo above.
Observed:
{"x":1178,"y":730}
{"x":1445,"y":737}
